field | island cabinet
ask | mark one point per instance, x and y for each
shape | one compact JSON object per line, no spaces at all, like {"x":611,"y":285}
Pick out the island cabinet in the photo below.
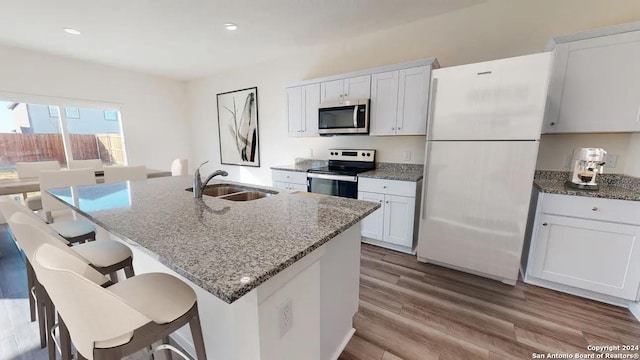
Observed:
{"x":302,"y":110}
{"x":358,"y":87}
{"x":586,"y":246}
{"x":399,"y":101}
{"x":595,"y":85}
{"x":289,"y":180}
{"x":394,"y":224}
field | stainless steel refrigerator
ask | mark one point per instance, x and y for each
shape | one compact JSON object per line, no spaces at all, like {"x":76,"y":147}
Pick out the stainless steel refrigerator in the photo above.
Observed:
{"x":483,"y":134}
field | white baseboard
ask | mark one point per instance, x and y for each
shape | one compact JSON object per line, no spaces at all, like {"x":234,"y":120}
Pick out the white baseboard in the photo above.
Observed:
{"x":634,"y":307}
{"x":386,"y":245}
{"x":343,"y":345}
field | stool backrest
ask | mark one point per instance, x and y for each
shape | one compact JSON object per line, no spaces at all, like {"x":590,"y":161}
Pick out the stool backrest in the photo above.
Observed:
{"x":9,"y":207}
{"x":62,"y":178}
{"x":32,"y":169}
{"x":90,"y":312}
{"x":94,"y":164}
{"x":179,"y":167}
{"x":124,"y":173}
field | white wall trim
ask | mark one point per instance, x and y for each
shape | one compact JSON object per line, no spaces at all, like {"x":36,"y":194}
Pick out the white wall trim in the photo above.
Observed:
{"x":56,"y":100}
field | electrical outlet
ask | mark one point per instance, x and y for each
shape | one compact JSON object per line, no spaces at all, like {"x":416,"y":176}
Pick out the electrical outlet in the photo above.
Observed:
{"x":567,"y":161}
{"x":285,"y":316}
{"x":610,"y":160}
{"x":406,"y":156}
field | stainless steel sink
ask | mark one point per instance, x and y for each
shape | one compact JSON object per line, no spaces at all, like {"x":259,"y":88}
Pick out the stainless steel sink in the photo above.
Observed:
{"x":219,"y":190}
{"x":246,"y":196}
{"x":234,"y":192}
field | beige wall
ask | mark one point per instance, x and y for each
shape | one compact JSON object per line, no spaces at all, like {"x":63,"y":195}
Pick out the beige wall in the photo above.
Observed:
{"x":555,"y":150}
{"x":491,"y":30}
{"x":633,"y":161}
{"x":153,"y":108}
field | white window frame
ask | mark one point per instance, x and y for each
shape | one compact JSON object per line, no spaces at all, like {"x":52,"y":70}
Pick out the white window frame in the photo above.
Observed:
{"x":61,"y":103}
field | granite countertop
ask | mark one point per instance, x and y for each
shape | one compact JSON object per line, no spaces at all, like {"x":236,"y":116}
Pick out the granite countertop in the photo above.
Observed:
{"x":226,"y":247}
{"x":387,"y":171}
{"x":394,"y":171}
{"x":611,"y":186}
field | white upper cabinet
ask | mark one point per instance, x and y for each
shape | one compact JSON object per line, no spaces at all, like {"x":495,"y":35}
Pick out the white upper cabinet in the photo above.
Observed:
{"x":350,"y":88}
{"x":493,"y":100}
{"x":399,"y":96}
{"x":399,"y":102}
{"x":302,"y":109}
{"x":595,"y":85}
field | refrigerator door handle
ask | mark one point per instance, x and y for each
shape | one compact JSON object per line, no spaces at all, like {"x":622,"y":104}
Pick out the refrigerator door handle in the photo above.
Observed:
{"x":432,"y":106}
{"x":425,"y":183}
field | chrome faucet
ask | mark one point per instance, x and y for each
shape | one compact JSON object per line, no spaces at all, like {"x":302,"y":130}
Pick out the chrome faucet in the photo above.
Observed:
{"x":198,"y":185}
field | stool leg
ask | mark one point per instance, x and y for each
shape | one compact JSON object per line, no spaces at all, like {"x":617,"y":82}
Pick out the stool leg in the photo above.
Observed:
{"x":168,"y":342}
{"x":114,"y":277}
{"x":39,"y":290}
{"x":65,"y":341}
{"x":128,"y":270}
{"x":31,"y":285}
{"x":196,"y":334}
{"x":51,"y":320}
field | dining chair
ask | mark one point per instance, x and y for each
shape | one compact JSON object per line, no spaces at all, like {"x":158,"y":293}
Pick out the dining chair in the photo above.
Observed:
{"x":94,"y":164}
{"x":31,"y":170}
{"x":57,"y":213}
{"x":124,"y":173}
{"x":119,"y":320}
{"x":179,"y":167}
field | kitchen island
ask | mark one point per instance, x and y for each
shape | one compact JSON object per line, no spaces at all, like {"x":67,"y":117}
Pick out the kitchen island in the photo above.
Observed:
{"x":276,"y":277}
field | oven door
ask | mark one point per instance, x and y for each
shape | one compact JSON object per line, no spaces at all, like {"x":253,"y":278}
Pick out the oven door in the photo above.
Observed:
{"x":336,"y":185}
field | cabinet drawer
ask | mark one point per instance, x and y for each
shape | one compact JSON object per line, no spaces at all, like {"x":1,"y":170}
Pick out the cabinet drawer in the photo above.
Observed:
{"x":619,"y":211}
{"x":294,"y":177}
{"x":391,"y":187}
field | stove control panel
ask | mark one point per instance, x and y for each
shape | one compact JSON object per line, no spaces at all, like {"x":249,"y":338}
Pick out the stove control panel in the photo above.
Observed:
{"x":352,"y":154}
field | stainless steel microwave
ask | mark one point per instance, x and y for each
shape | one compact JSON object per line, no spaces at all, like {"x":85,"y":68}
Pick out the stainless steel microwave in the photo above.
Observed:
{"x":344,"y":117}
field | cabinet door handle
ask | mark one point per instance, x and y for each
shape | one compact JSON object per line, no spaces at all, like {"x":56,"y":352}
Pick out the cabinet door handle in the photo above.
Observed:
{"x":380,"y":201}
{"x":595,"y":208}
{"x":399,"y":128}
{"x":384,"y":187}
{"x":553,"y":124}
{"x":544,"y":224}
{"x":393,"y":128}
{"x":340,"y":95}
{"x":387,"y":201}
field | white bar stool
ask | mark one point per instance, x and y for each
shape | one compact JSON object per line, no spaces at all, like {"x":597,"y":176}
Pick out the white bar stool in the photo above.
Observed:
{"x":119,"y":320}
{"x":31,"y":170}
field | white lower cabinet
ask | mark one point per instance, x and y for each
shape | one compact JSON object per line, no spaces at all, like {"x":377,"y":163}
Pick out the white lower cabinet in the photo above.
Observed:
{"x":393,"y":224}
{"x":289,"y":180}
{"x":579,"y":246}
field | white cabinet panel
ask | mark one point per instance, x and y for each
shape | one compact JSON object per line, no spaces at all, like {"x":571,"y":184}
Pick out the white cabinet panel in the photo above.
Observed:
{"x":596,"y":85}
{"x":350,"y":88}
{"x":494,"y":100}
{"x":389,"y":187}
{"x":332,"y":90}
{"x":592,"y":255}
{"x":357,"y":87}
{"x":296,"y":177}
{"x":398,"y":220}
{"x":311,"y":102}
{"x":384,"y":103}
{"x":372,"y":225}
{"x":413,"y":101}
{"x":295,"y":108}
{"x":298,"y":187}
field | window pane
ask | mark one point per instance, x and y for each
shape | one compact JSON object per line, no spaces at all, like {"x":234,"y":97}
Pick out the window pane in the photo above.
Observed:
{"x":72,"y":112}
{"x":95,"y":137}
{"x":110,"y":115}
{"x":53,"y":111}
{"x":28,"y":132}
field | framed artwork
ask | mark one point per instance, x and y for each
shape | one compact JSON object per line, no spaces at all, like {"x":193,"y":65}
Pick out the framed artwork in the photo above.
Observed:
{"x":238,"y":127}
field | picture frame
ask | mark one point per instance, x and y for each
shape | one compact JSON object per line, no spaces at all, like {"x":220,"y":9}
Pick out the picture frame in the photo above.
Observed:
{"x":238,"y":127}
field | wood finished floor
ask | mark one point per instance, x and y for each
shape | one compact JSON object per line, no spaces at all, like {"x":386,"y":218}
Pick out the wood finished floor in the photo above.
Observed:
{"x":409,"y":310}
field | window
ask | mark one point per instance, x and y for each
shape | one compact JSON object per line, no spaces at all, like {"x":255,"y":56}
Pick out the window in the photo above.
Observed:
{"x":32,"y":132}
{"x":72,"y":112}
{"x":53,"y":111}
{"x":111,"y":115}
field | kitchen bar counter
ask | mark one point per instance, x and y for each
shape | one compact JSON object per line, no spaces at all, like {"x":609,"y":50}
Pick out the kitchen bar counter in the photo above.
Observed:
{"x":226,"y":247}
{"x":386,"y":171}
{"x":612,"y":186}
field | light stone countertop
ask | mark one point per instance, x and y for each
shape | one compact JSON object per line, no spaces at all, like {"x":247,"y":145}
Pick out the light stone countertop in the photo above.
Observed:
{"x":611,"y":186}
{"x":214,"y":242}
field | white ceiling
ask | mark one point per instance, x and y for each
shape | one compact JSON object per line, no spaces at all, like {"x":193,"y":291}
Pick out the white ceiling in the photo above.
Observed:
{"x":185,"y":39}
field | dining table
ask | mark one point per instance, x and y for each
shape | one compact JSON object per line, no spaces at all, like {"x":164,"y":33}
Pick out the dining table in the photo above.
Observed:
{"x":27,"y":185}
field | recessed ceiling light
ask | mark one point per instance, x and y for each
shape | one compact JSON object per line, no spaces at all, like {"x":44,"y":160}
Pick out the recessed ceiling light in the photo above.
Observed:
{"x":231,"y":26}
{"x":71,"y":31}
